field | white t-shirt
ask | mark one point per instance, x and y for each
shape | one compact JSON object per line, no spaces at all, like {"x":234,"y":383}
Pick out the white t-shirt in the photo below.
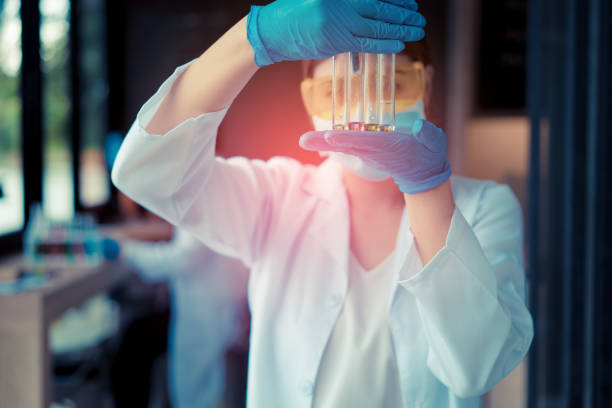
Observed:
{"x":359,"y":366}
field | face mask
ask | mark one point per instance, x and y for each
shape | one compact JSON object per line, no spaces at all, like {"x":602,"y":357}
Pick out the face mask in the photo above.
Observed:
{"x":404,"y":119}
{"x":354,"y":164}
{"x":320,"y":123}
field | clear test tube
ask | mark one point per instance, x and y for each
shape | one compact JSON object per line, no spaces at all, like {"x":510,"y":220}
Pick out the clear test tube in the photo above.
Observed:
{"x":371,"y":91}
{"x":339,"y":88}
{"x":386,"y":106}
{"x":355,"y":91}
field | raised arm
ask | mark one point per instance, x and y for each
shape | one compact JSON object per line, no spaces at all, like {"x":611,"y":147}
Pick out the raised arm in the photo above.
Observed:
{"x":210,"y":83}
{"x":284,"y":30}
{"x":415,"y":157}
{"x":167,"y":162}
{"x":471,"y":296}
{"x":470,"y":289}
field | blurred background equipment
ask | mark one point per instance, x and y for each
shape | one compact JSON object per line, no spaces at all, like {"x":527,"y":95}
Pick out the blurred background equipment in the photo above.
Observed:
{"x":61,"y":244}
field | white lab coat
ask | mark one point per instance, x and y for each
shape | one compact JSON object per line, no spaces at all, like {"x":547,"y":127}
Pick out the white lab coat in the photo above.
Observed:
{"x":459,"y":325}
{"x":207,"y":290}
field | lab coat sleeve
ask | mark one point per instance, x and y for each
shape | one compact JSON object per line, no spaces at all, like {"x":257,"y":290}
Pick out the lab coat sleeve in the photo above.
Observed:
{"x":471,"y":300}
{"x":225,"y":203}
{"x":165,"y":260}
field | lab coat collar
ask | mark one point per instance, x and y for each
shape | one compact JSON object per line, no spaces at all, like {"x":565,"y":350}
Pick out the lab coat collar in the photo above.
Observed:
{"x":326,"y":183}
{"x":331,"y":229}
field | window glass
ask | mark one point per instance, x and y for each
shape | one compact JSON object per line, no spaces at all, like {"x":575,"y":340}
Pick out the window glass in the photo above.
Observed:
{"x":94,"y":182}
{"x":58,"y":195}
{"x":11,"y":172}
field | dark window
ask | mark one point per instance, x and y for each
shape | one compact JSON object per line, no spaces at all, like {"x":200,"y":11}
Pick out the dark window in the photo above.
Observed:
{"x":58,"y":197}
{"x":53,"y":104}
{"x":11,"y":172}
{"x":94,"y":185}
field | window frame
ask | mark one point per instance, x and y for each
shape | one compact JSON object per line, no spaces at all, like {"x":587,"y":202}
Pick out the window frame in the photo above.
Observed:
{"x":30,"y":79}
{"x":32,"y":131}
{"x":570,"y":191}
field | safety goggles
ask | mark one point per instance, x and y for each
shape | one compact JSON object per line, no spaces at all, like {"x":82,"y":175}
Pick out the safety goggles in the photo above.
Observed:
{"x":409,"y":89}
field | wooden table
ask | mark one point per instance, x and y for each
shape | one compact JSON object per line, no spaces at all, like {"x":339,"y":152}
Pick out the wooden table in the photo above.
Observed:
{"x":25,"y":355}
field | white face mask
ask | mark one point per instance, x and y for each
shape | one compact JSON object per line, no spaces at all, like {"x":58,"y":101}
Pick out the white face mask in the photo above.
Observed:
{"x":354,"y":164}
{"x":405,"y":119}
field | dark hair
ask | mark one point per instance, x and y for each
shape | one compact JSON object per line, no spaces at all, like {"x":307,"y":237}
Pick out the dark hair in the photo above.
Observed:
{"x":416,"y":51}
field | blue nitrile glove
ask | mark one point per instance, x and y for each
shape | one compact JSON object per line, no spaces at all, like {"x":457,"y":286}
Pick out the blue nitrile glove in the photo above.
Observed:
{"x":110,"y":248}
{"x":318,"y":29}
{"x":415,"y":157}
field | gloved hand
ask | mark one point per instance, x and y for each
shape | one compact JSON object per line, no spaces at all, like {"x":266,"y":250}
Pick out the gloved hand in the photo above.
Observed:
{"x":414,"y":157}
{"x":110,"y":248}
{"x":318,"y":29}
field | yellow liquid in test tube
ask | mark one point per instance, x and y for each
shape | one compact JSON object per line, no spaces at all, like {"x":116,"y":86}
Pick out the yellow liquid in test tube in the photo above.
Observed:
{"x":363,"y":92}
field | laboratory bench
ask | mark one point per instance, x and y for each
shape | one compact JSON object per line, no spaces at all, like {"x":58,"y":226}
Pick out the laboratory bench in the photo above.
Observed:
{"x":25,"y":319}
{"x":26,"y":358}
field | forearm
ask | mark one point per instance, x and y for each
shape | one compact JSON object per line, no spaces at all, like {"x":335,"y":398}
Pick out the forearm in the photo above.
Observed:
{"x":430,"y":214}
{"x":471,"y":295}
{"x":210,"y":83}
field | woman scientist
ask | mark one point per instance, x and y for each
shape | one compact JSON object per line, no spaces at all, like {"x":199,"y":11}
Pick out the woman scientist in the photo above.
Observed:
{"x":206,"y":290}
{"x":376,"y":280}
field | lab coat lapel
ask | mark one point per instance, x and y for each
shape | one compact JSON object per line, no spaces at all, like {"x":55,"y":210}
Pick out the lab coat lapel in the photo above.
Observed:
{"x":331,"y":225}
{"x":328,"y":233}
{"x":404,"y":248}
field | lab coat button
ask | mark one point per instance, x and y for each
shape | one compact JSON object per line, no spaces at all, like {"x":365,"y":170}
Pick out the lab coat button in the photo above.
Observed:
{"x":307,"y":387}
{"x":335,"y":300}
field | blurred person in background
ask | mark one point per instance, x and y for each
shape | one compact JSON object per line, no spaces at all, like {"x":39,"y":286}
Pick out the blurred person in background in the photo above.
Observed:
{"x":207,"y":293}
{"x":208,"y":312}
{"x":376,"y":278}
